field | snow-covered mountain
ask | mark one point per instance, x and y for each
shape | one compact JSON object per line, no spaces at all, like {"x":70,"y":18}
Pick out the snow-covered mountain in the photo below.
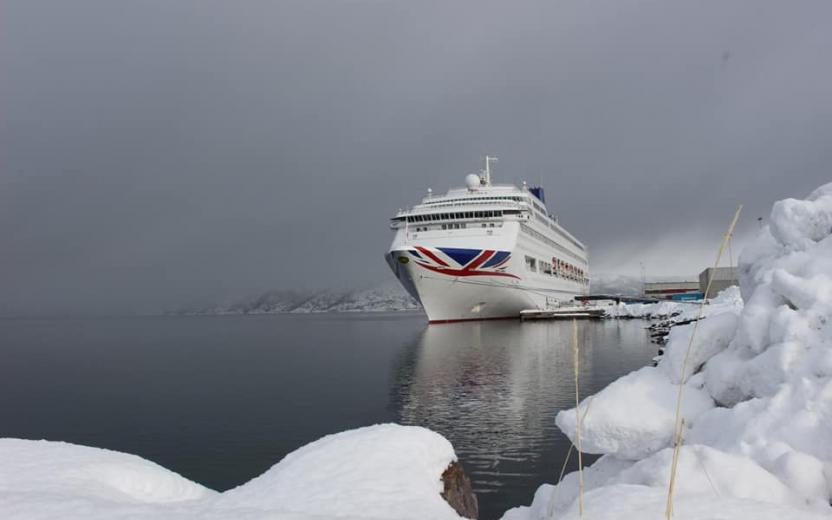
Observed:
{"x":608,"y":283}
{"x":387,"y":297}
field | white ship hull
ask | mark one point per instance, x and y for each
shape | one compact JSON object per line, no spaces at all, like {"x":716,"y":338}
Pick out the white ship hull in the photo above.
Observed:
{"x":452,"y":293}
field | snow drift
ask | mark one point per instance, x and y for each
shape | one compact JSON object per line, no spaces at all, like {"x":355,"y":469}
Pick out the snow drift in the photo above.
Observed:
{"x":757,"y":397}
{"x":380,"y":472}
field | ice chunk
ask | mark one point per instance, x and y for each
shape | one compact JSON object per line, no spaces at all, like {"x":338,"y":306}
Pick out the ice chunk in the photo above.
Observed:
{"x":712,"y":337}
{"x":634,"y":416}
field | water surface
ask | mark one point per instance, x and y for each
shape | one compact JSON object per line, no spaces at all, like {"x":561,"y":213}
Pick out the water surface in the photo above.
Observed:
{"x":221,"y":399}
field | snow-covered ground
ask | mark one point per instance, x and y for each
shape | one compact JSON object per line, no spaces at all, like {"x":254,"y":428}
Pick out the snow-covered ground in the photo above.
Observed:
{"x":677,"y":311}
{"x":378,"y":472}
{"x":757,"y":401}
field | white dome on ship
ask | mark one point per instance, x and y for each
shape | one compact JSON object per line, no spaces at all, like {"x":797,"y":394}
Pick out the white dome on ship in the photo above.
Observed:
{"x":472,"y":180}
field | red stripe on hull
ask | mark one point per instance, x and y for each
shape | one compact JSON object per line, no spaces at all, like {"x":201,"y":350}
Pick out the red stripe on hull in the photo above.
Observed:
{"x":432,"y":256}
{"x":478,"y":261}
{"x":460,"y":320}
{"x":463,"y":272}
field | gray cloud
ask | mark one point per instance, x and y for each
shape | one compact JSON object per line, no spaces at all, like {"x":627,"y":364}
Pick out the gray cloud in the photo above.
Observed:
{"x":159,"y":153}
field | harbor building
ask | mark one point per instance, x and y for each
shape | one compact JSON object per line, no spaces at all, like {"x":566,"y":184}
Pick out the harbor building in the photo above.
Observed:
{"x":721,"y":278}
{"x":668,"y":290}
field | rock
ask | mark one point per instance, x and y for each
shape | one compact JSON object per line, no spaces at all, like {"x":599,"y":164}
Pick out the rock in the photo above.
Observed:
{"x":458,"y":493}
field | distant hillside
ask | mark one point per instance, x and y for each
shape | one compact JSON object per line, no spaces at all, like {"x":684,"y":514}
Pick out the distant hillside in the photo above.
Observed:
{"x":615,"y":284}
{"x":388,"y":297}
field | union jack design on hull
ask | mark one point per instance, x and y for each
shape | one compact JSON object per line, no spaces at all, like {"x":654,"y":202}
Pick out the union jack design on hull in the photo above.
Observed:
{"x":463,"y":262}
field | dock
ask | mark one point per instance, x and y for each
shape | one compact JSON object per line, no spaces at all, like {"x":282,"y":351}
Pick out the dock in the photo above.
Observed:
{"x":562,"y":313}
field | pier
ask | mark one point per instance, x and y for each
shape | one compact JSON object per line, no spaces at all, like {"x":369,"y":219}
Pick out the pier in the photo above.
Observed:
{"x":562,"y":313}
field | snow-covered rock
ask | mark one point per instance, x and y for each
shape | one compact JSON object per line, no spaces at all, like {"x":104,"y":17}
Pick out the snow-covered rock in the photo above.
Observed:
{"x":763,"y":451}
{"x":378,"y":472}
{"x":385,"y":471}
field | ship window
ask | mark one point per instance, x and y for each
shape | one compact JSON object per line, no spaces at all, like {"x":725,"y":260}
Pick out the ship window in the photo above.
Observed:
{"x":444,"y":226}
{"x":491,"y":225}
{"x":531,"y":264}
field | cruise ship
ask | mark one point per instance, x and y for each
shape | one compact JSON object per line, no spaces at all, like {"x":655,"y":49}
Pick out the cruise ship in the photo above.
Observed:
{"x":486,"y":251}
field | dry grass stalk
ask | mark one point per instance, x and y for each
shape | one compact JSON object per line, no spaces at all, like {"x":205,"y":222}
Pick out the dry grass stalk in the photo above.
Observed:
{"x":554,"y":497}
{"x":576,"y":365}
{"x":677,"y":437}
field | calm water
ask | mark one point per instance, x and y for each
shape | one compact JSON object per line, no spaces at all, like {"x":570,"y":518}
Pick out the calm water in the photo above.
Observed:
{"x":221,"y":399}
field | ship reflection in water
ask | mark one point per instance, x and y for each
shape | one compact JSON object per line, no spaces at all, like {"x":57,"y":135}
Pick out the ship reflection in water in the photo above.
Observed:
{"x":494,"y":388}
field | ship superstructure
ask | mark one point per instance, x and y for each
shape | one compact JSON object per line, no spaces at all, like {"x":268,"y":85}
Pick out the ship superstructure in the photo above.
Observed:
{"x":486,"y":251}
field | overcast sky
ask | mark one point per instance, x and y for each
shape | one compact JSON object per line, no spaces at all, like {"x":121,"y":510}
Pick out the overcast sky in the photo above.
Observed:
{"x":158,"y":153}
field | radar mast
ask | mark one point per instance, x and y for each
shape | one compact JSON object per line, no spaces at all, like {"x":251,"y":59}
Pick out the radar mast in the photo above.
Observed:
{"x":488,"y":161}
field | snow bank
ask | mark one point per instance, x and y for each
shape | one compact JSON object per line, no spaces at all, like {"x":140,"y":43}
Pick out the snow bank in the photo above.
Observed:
{"x":62,"y":469}
{"x":761,"y":448}
{"x":613,"y":426}
{"x":385,"y":471}
{"x":678,"y":311}
{"x":379,"y":472}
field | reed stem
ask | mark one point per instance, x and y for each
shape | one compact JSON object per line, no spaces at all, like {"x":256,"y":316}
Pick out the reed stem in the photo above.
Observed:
{"x":679,"y":422}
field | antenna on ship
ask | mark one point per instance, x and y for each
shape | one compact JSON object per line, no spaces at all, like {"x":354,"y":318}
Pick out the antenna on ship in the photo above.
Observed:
{"x":488,"y":161}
